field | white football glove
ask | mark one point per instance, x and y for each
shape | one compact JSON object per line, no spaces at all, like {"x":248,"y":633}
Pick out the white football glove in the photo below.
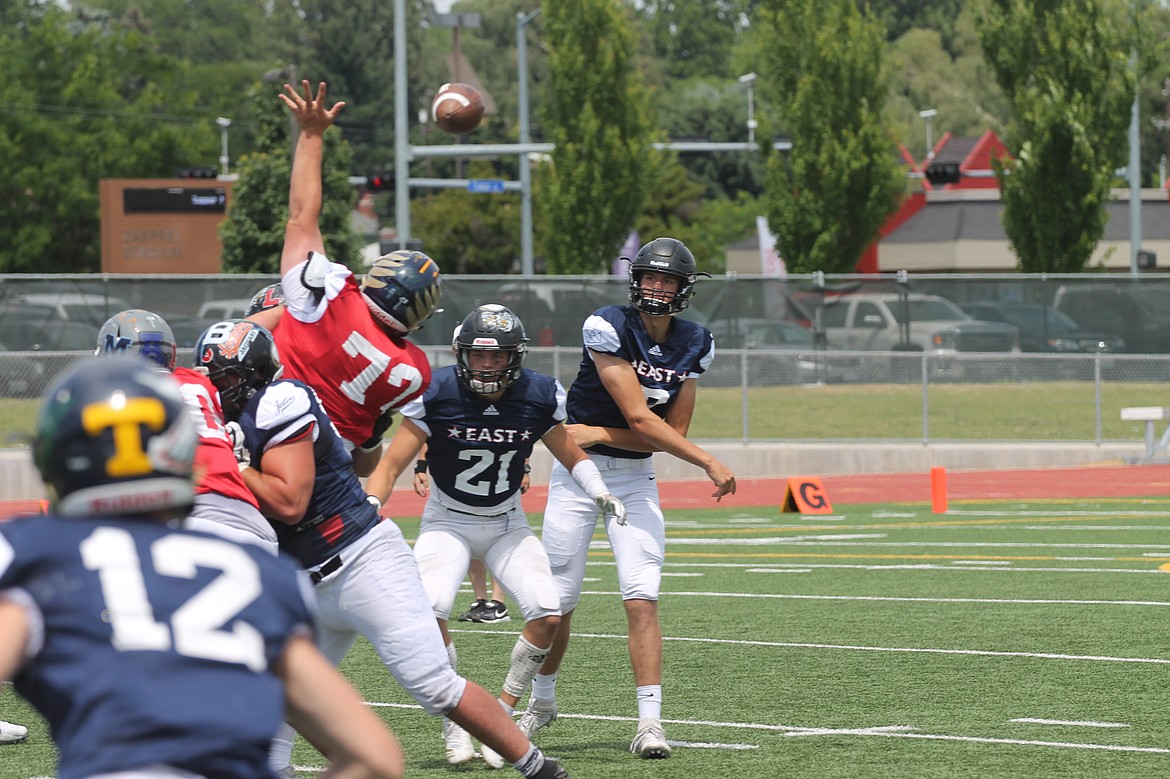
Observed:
{"x":236,"y":438}
{"x":610,"y":505}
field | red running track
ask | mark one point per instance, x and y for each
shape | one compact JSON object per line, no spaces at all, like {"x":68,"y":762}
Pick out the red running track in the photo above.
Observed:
{"x":1121,"y":481}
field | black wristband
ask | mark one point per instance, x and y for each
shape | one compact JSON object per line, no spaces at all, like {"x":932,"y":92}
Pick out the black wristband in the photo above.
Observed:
{"x":527,"y":468}
{"x":420,"y":466}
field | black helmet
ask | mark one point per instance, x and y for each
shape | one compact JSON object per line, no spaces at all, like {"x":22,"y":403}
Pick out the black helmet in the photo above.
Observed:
{"x":240,"y":358}
{"x":402,"y":289}
{"x":493,"y":328}
{"x":268,"y":297}
{"x":136,"y":331}
{"x":114,"y":438}
{"x":664,"y":255}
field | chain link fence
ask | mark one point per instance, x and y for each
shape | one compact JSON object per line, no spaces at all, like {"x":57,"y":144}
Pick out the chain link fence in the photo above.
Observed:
{"x":780,"y":374}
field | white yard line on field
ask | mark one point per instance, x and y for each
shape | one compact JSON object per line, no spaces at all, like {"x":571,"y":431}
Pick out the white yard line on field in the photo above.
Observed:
{"x":857,"y":648}
{"x":1072,"y":723}
{"x":892,"y":599}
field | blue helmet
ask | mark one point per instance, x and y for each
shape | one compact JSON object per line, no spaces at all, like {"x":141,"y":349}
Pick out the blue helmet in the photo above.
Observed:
{"x":240,"y":358}
{"x":402,"y":289}
{"x":140,"y":332}
{"x":114,"y":438}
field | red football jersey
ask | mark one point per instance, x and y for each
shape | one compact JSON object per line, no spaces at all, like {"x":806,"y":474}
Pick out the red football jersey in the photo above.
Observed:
{"x":358,"y":370}
{"x":213,"y":456}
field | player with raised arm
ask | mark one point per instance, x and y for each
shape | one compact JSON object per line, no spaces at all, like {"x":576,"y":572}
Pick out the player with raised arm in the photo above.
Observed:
{"x":479,"y":420}
{"x":634,"y":395}
{"x":346,"y":341}
{"x":365,"y":577}
{"x":156,"y":652}
{"x":223,"y":503}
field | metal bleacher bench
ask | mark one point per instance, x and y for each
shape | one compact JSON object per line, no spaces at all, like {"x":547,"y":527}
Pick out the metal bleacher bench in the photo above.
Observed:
{"x":1150,"y":415}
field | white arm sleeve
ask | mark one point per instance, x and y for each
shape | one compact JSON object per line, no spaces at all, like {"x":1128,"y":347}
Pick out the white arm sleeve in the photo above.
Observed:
{"x":586,"y":474}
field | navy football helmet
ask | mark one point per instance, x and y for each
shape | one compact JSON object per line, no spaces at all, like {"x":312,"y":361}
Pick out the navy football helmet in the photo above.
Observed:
{"x":402,"y":289}
{"x":114,"y":438}
{"x":664,"y":255}
{"x":240,"y":358}
{"x":136,"y":331}
{"x":490,"y":328}
{"x":268,"y":297}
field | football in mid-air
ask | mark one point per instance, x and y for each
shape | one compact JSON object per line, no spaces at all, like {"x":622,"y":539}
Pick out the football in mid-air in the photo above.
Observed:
{"x":457,"y":108}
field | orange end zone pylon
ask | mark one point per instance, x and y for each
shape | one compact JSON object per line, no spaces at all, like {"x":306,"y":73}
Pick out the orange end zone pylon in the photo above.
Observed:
{"x":806,"y":495}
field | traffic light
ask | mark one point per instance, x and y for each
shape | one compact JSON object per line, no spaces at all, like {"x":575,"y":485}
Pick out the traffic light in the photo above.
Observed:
{"x":943,"y":173}
{"x":379,"y":181}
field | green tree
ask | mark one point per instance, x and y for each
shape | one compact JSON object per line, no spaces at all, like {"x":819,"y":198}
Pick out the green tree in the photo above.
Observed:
{"x":1064,"y":67}
{"x":253,"y":233}
{"x":831,"y":193}
{"x":693,"y":37}
{"x":82,"y":104}
{"x":597,"y":116}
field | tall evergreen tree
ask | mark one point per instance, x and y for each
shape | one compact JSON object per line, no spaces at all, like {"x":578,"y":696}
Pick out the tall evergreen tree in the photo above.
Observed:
{"x":831,"y":193}
{"x":597,"y":115}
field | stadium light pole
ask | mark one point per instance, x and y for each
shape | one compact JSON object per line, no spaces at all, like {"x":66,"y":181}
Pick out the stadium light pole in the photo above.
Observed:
{"x":401,"y":138}
{"x":749,"y":80}
{"x":224,"y":123}
{"x":526,"y":258}
{"x":929,"y":114}
{"x":277,"y":76}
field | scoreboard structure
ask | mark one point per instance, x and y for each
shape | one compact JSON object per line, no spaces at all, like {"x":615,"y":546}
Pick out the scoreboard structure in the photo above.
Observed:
{"x":162,"y":225}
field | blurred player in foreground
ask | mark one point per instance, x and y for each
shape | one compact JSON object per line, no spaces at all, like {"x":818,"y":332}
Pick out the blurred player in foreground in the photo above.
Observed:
{"x":223,"y":503}
{"x":155,"y":652}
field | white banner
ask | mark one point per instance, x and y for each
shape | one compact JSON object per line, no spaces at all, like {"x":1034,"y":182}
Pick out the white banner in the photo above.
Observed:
{"x":770,"y":262}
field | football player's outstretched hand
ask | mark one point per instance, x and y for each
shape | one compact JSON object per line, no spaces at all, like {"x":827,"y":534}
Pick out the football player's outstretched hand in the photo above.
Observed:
{"x":610,"y":505}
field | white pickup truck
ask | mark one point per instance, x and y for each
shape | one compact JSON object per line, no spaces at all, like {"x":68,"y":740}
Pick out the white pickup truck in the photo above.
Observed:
{"x":889,"y":321}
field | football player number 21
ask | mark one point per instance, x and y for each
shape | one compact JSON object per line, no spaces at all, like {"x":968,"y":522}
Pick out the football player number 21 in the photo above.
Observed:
{"x":403,"y":375}
{"x":203,"y":626}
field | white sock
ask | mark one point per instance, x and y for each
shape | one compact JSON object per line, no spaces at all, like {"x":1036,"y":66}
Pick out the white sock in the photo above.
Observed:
{"x":544,"y":687}
{"x":281,"y":747}
{"x":452,"y":655}
{"x":650,"y":701}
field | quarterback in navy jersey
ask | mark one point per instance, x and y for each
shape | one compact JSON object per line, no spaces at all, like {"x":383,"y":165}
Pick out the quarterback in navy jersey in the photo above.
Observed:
{"x":634,"y":395}
{"x":148,"y":648}
{"x":479,"y":420}
{"x":365,"y":578}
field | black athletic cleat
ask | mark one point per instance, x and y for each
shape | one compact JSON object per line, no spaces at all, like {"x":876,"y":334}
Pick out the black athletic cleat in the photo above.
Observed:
{"x":475,"y":605}
{"x":551,"y":770}
{"x":488,"y":611}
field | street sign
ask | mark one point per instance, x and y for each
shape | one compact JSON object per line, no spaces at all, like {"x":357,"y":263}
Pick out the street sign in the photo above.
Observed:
{"x":485,"y":186}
